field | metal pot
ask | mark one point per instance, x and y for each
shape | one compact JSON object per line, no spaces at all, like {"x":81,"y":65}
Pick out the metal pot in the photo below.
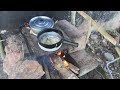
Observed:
{"x":55,"y":39}
{"x":40,"y":23}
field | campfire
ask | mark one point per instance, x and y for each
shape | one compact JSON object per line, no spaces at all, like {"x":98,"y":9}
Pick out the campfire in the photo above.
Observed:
{"x":50,"y":61}
{"x":68,"y":61}
{"x":65,"y":62}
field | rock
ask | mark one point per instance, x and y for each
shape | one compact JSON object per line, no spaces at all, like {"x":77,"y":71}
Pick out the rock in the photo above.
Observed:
{"x":14,"y":64}
{"x":3,"y":31}
{"x":27,"y":69}
{"x":104,"y":41}
{"x":112,"y":68}
{"x":94,"y":37}
{"x":115,"y":68}
{"x":14,"y":53}
{"x":109,"y":56}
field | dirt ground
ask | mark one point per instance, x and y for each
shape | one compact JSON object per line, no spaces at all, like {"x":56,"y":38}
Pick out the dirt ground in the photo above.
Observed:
{"x":99,"y":46}
{"x":3,"y":75}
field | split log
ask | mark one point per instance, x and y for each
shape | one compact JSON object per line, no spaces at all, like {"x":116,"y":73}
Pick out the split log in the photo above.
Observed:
{"x":67,"y":74}
{"x":70,"y":66}
{"x":87,"y":62}
{"x":74,"y":68}
{"x":46,"y":70}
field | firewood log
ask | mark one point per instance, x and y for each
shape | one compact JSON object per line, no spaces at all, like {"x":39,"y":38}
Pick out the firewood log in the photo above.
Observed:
{"x":74,"y":68}
{"x":67,"y":74}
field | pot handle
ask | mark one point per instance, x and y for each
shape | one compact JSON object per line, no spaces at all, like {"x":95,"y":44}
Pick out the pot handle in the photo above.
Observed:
{"x":70,"y":43}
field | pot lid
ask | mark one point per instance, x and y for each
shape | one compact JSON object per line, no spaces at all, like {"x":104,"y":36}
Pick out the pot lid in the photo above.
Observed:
{"x":41,"y":22}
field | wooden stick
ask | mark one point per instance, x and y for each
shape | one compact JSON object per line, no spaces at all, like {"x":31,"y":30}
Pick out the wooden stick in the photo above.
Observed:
{"x":117,"y":50}
{"x":46,"y":70}
{"x":67,"y":74}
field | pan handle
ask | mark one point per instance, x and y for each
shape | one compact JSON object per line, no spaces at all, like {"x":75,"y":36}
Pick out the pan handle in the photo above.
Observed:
{"x":70,"y":43}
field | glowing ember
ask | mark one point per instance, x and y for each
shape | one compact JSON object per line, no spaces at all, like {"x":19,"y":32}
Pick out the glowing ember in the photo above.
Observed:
{"x":66,"y":64}
{"x":59,"y":53}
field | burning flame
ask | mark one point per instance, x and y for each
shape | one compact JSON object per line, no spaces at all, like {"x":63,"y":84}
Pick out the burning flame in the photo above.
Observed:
{"x":59,"y":53}
{"x":66,"y":64}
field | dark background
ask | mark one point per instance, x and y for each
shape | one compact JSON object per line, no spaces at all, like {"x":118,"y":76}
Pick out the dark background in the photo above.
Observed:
{"x":13,"y":19}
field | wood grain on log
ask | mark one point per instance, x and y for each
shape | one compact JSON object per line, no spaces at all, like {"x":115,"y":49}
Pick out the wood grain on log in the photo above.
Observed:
{"x":74,"y":68}
{"x":87,"y":62}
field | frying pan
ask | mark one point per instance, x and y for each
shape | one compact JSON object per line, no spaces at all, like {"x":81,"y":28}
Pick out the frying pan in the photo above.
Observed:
{"x":57,"y":34}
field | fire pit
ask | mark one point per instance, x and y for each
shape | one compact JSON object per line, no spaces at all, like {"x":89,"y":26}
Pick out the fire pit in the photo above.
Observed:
{"x":62,"y":63}
{"x":47,"y":61}
{"x":67,"y":62}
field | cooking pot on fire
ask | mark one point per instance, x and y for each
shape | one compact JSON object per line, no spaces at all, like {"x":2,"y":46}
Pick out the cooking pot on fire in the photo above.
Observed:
{"x":40,"y":23}
{"x":51,"y":39}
